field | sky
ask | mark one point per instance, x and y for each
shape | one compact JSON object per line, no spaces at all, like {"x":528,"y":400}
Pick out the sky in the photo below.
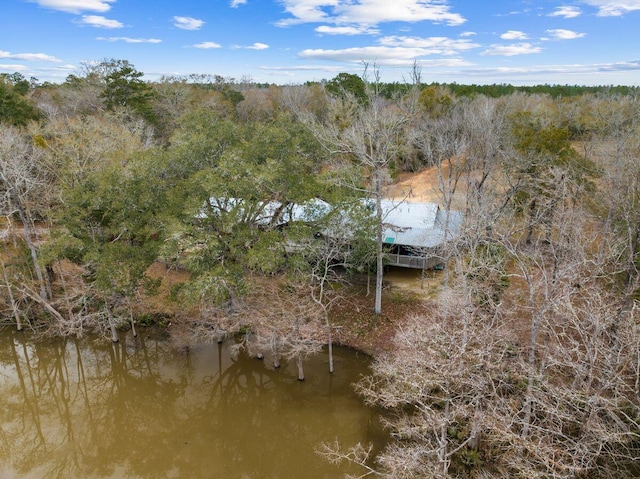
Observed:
{"x":520,"y":42}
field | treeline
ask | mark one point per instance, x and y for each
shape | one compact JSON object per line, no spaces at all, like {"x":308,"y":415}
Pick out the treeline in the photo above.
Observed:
{"x":555,"y":91}
{"x":496,"y":90}
{"x":528,"y":365}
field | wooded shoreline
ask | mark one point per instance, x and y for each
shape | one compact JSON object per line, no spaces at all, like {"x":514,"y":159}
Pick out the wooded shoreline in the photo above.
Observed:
{"x":523,"y":359}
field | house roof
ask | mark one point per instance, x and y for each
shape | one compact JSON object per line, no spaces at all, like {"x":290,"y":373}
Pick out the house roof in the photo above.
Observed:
{"x":418,"y":225}
{"x":415,"y":225}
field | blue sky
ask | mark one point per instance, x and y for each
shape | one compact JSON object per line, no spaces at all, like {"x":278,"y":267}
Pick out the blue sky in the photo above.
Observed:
{"x":585,"y":42}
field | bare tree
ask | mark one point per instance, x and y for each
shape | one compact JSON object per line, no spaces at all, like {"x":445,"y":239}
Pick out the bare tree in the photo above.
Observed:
{"x":13,"y":305}
{"x":328,"y":259}
{"x":529,"y":365}
{"x":20,"y":184}
{"x":440,"y":387}
{"x":285,"y":323}
{"x":371,"y":132}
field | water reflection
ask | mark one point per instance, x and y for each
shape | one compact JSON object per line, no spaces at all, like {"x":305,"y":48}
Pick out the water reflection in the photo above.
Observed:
{"x":140,"y":408}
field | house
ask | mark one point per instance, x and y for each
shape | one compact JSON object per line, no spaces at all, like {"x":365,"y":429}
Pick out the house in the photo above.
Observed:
{"x":413,"y":233}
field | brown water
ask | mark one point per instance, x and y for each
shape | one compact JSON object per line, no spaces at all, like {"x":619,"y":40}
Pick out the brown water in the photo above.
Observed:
{"x":141,"y":408}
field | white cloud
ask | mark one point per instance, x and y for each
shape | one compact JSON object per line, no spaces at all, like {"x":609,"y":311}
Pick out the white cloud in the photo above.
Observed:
{"x":188,"y":23}
{"x":379,"y":54}
{"x":76,"y":6}
{"x":368,"y":12}
{"x":99,"y":21}
{"x":566,"y":12}
{"x":619,"y":66}
{"x":468,"y":34}
{"x":570,"y":69}
{"x":347,"y":30}
{"x":514,"y":35}
{"x":282,"y":73}
{"x":130,"y":40}
{"x":383,"y":56}
{"x":207,"y":45}
{"x":12,"y":68}
{"x":396,"y":50}
{"x":561,"y":34}
{"x":258,"y":46}
{"x":304,"y":68}
{"x":512,"y":50}
{"x":30,"y":57}
{"x":614,"y":8}
{"x":237,"y":3}
{"x":61,"y":68}
{"x":429,"y":45}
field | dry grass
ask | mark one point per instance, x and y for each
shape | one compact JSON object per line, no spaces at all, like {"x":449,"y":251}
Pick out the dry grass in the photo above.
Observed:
{"x":161,"y":304}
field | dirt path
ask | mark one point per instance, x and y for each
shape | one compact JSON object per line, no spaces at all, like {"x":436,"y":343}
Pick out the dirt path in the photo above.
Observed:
{"x":416,"y":187}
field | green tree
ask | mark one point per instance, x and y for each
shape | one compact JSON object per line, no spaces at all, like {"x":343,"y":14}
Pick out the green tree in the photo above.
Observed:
{"x":124,"y":87}
{"x":242,"y":182}
{"x":15,"y":108}
{"x":20,"y":84}
{"x":114,"y":229}
{"x":436,"y":101}
{"x":347,"y":84}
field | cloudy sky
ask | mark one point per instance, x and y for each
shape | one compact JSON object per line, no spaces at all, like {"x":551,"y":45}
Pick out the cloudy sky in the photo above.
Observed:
{"x":522,"y":42}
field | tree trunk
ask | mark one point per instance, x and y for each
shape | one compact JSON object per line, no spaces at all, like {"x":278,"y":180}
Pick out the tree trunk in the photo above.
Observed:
{"x":133,"y":326}
{"x":443,"y":456}
{"x":34,"y":253}
{"x":379,"y":239}
{"x":114,"y":332}
{"x":299,"y":355}
{"x":14,"y":308}
{"x":528,"y":400}
{"x":330,"y":340}
{"x":276,"y":354}
{"x":532,"y":209}
{"x":300,"y":368}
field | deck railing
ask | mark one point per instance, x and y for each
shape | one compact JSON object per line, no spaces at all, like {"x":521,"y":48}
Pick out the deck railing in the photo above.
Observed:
{"x":416,"y":262}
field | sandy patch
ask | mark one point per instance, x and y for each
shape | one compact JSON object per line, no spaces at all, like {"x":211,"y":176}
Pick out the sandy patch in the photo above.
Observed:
{"x":416,"y":187}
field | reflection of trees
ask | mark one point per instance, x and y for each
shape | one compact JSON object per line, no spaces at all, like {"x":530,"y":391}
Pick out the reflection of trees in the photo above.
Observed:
{"x":82,"y":401}
{"x":131,"y":401}
{"x":272,"y":423}
{"x":142,"y":409}
{"x":33,"y":438}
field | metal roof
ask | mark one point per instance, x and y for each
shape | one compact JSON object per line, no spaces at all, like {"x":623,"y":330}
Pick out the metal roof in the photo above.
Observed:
{"x":418,"y":225}
{"x":415,"y":225}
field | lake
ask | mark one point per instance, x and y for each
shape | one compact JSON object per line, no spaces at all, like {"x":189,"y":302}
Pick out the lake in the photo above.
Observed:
{"x":143,"y":408}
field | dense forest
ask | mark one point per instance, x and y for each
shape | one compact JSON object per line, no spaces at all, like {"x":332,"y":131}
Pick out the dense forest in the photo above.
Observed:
{"x":528,"y":362}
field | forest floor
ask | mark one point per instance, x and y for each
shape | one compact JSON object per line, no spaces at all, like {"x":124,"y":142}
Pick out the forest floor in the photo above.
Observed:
{"x":406,"y":292}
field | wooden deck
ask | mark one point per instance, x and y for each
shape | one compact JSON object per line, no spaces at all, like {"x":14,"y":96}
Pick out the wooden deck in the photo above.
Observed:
{"x":415,"y":262}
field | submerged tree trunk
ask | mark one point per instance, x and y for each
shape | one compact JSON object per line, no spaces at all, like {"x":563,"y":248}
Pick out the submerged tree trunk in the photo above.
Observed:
{"x":114,"y":331}
{"x":330,"y":343}
{"x":300,"y":367}
{"x":133,"y":326}
{"x":276,"y":354}
{"x":299,"y":354}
